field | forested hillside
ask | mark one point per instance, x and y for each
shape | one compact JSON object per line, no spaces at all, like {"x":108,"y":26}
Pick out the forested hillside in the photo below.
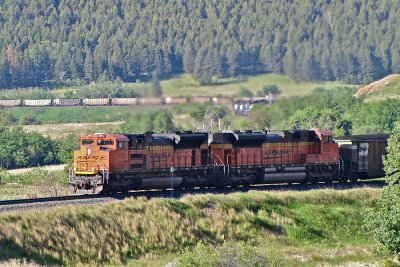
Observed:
{"x":49,"y":41}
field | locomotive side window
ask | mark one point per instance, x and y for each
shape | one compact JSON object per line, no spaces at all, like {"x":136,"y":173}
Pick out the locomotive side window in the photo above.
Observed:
{"x":105,"y":142}
{"x":121,"y":144}
{"x":327,"y":139}
{"x":87,"y":141}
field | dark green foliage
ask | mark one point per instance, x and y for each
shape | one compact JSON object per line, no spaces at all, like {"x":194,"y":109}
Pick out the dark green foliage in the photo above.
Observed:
{"x":207,"y":111}
{"x":244,"y":92}
{"x":335,"y":109}
{"x":259,"y":117}
{"x":21,"y":149}
{"x":156,"y":121}
{"x":155,"y":86}
{"x":384,"y":222}
{"x":269,"y":89}
{"x":210,"y":117}
{"x":66,"y":146}
{"x":6,"y":118}
{"x":380,"y":115}
{"x":48,"y":42}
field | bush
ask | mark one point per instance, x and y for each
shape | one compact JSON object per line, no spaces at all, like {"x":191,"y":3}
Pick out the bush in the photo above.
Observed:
{"x":244,"y":92}
{"x":157,"y":121}
{"x":269,"y":89}
{"x":384,"y":222}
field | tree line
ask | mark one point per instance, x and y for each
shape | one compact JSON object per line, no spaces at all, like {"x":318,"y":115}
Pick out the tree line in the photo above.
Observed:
{"x":50,"y":42}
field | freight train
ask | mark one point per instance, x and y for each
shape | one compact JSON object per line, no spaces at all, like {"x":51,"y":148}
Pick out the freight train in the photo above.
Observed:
{"x":183,"y":160}
{"x":69,"y":102}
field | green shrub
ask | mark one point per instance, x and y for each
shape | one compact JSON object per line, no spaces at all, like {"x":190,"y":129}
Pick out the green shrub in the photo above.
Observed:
{"x":384,"y":222}
{"x":244,"y":92}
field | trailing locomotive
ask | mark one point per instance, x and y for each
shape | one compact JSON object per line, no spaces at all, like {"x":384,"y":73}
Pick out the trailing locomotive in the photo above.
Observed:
{"x":122,"y":162}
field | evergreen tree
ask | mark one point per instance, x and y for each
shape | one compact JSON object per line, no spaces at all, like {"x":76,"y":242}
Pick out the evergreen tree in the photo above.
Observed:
{"x":88,"y":66}
{"x":155,"y":86}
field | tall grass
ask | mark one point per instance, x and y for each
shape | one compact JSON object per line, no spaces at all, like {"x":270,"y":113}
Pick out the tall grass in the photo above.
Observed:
{"x":131,"y":229}
{"x":37,"y":182}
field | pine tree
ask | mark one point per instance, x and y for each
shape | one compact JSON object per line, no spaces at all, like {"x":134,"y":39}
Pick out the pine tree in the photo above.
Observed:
{"x":188,"y":58}
{"x":88,"y":66}
{"x":4,"y":73}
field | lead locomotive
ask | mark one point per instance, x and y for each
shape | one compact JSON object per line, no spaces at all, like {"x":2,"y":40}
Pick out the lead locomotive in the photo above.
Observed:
{"x":122,"y":162}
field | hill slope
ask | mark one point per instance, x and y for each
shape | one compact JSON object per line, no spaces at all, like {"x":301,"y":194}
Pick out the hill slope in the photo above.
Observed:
{"x":388,"y":87}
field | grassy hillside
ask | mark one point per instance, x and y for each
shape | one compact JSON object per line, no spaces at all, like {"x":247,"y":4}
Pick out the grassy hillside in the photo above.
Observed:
{"x":388,"y":87}
{"x":185,"y":85}
{"x":283,"y":228}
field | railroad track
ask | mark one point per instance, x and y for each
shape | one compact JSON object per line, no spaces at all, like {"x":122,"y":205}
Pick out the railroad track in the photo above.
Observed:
{"x":79,"y":200}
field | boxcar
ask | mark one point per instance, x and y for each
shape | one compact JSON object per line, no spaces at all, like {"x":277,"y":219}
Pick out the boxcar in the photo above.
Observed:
{"x":10,"y":102}
{"x":362,"y":155}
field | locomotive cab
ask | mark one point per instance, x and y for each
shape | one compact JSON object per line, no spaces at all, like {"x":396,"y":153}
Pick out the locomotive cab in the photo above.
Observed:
{"x":92,"y":164}
{"x":329,"y":151}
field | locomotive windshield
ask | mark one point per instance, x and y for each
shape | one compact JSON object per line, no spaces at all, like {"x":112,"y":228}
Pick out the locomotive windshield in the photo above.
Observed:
{"x":87,"y":141}
{"x":105,"y":142}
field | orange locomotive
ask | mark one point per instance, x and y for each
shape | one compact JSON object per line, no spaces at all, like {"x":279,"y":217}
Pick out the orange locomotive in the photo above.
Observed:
{"x":122,"y":162}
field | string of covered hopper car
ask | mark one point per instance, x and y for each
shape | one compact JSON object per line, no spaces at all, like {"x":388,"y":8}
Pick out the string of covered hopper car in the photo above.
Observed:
{"x":183,"y":160}
{"x":117,"y":101}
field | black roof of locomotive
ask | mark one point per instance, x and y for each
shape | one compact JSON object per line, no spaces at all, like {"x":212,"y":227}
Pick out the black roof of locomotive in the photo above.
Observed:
{"x":150,"y":138}
{"x":238,"y":139}
{"x":189,"y":139}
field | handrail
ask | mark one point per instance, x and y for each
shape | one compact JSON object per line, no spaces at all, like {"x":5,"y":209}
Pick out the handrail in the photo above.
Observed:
{"x":218,"y":157}
{"x":103,"y":169}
